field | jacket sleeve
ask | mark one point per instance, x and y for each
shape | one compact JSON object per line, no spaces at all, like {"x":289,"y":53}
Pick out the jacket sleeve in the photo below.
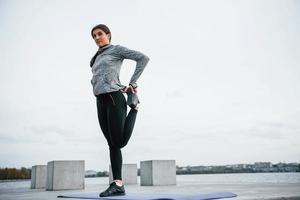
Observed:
{"x":140,"y":58}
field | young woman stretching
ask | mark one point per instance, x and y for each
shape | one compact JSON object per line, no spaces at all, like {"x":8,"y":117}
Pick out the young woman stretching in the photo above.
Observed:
{"x":111,"y":103}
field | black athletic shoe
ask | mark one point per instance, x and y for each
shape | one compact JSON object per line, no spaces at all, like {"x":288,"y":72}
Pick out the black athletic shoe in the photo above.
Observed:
{"x":113,"y":190}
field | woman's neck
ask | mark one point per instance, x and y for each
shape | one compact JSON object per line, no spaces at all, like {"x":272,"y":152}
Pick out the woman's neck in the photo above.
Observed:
{"x":104,"y":45}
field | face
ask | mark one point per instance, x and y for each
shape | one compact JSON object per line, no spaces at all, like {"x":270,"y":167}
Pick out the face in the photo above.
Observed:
{"x":100,"y":37}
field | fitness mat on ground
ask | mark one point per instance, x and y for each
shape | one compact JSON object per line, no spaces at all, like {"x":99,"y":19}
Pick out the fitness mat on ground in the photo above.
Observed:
{"x":135,"y":196}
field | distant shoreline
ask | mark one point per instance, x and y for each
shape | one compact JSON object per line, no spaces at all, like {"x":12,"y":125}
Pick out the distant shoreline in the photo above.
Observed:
{"x":20,"y":180}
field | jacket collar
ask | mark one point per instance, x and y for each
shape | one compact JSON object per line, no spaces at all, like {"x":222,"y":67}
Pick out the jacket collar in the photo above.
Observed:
{"x":105,"y":47}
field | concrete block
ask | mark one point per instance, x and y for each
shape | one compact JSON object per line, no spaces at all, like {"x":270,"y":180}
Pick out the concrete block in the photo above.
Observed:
{"x":129,"y":174}
{"x":65,"y":175}
{"x":158,"y":172}
{"x":38,"y":176}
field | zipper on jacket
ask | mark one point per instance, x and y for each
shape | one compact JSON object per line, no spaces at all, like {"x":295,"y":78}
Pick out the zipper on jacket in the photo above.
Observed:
{"x":112,"y":99}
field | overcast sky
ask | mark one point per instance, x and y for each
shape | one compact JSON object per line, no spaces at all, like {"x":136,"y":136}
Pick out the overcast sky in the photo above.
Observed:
{"x":222,"y":85}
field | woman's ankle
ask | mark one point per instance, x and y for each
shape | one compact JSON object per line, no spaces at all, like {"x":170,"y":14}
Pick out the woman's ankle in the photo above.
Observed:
{"x":119,"y":182}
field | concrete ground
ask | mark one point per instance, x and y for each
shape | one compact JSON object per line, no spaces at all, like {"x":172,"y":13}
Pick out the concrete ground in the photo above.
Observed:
{"x":244,"y":191}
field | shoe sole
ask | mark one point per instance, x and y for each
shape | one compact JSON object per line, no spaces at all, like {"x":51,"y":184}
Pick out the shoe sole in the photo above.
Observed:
{"x":118,"y":194}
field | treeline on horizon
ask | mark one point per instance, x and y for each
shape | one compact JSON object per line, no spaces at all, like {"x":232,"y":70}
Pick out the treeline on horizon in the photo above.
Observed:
{"x":25,"y":173}
{"x":14,"y":173}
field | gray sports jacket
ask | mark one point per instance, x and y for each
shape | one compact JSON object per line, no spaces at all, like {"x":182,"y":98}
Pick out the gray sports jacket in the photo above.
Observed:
{"x":106,"y":67}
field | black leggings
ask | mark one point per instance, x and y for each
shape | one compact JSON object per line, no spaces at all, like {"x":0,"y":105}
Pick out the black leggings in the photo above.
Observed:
{"x":115,"y":125}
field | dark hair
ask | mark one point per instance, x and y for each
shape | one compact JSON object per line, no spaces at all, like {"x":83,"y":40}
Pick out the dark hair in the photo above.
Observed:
{"x":103,"y":27}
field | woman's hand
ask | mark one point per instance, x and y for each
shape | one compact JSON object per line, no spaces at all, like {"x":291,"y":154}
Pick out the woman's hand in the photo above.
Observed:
{"x":129,"y":89}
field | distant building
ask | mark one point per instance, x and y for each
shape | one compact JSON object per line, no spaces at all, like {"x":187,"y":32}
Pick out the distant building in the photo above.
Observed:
{"x":236,"y":166}
{"x":287,"y":167}
{"x":90,"y":173}
{"x":262,"y":166}
{"x":240,"y":168}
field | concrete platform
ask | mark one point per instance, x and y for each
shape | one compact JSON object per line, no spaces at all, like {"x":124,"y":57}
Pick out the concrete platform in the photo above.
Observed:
{"x":65,"y":175}
{"x":38,"y":176}
{"x":158,"y":172}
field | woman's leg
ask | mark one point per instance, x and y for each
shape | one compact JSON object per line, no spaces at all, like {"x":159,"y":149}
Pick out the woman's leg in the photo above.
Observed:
{"x":120,"y":128}
{"x":116,"y":127}
{"x":103,"y":102}
{"x":120,"y":125}
{"x":129,"y":125}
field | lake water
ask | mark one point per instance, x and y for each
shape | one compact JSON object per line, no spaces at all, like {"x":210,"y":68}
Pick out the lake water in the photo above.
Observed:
{"x":246,"y":178}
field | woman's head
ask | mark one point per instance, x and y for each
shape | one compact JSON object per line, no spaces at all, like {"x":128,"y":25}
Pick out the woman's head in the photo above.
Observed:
{"x":101,"y":34}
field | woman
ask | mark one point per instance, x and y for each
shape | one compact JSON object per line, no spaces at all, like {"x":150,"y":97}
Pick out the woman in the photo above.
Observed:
{"x":111,"y":103}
